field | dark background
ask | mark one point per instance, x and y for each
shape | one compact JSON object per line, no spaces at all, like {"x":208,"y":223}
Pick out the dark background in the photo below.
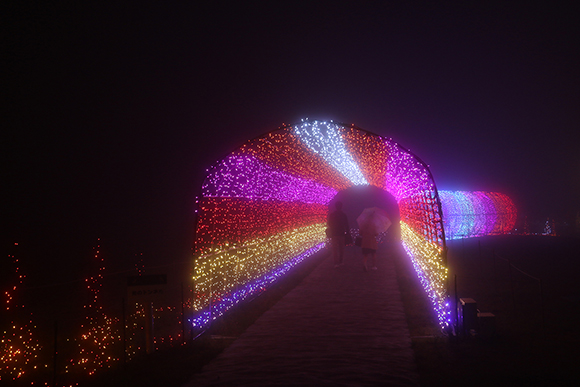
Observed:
{"x":111,"y":112}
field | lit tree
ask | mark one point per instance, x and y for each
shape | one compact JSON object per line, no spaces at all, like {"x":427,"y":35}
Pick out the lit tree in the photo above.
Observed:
{"x":18,"y":348}
{"x":548,"y":228}
{"x":526,"y":226}
{"x":98,"y":334}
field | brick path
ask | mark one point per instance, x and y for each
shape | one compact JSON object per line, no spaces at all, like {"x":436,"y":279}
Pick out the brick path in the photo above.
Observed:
{"x":339,"y":327}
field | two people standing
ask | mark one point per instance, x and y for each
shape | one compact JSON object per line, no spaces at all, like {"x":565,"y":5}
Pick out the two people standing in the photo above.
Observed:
{"x":371,"y":221}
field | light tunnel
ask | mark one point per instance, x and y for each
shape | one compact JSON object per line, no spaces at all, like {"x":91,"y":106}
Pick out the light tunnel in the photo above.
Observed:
{"x":468,"y":214}
{"x":262,"y":210}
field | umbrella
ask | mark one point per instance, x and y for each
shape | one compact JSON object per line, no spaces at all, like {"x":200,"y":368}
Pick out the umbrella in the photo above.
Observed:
{"x":375,"y":218}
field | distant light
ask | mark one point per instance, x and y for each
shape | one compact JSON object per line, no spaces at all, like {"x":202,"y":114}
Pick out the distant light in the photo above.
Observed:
{"x":469,"y":214}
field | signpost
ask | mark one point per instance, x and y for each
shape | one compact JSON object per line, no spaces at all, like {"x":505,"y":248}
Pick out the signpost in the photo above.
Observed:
{"x":146,"y":289}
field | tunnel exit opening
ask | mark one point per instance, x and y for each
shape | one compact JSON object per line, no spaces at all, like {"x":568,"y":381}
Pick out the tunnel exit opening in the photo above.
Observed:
{"x":356,"y":198}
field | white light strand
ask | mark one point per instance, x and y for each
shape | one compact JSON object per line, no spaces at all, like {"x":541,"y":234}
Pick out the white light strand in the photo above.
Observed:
{"x":325,"y":139}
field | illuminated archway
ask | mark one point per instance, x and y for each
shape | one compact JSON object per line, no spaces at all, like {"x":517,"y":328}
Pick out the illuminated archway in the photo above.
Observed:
{"x":263,"y":209}
{"x":473,"y":214}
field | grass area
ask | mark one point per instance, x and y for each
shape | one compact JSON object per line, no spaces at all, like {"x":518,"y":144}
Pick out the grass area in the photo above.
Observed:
{"x":522,"y":352}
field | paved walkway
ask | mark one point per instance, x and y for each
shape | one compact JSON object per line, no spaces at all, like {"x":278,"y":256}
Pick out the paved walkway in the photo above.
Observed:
{"x":339,"y":327}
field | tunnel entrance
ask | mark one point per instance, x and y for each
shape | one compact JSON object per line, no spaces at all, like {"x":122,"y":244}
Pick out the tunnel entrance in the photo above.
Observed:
{"x":355,"y":199}
{"x":263,"y":209}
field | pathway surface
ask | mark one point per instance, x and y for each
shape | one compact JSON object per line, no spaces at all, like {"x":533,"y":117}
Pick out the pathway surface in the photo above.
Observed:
{"x":339,"y":327}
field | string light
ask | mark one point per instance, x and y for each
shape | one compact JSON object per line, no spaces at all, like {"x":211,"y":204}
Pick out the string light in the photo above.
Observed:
{"x":473,"y":214}
{"x":246,"y":177}
{"x":549,"y":228}
{"x":326,"y":140}
{"x":251,"y":288}
{"x":19,"y":349}
{"x":222,"y":270}
{"x":433,"y":274}
{"x":265,"y":204}
{"x":283,"y":150}
{"x":99,"y":333}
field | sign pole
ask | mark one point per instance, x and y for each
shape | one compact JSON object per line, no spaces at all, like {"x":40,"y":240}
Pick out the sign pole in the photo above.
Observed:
{"x":182,"y":315}
{"x":55,"y":354}
{"x":146,"y":289}
{"x":124,"y":334}
{"x":149,"y":344}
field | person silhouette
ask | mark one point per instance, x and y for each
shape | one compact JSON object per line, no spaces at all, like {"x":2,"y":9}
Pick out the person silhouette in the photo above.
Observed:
{"x":369,"y":245}
{"x":337,"y":223}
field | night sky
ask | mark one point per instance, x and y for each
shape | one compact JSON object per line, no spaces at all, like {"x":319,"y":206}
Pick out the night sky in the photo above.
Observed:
{"x":111,"y":113}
